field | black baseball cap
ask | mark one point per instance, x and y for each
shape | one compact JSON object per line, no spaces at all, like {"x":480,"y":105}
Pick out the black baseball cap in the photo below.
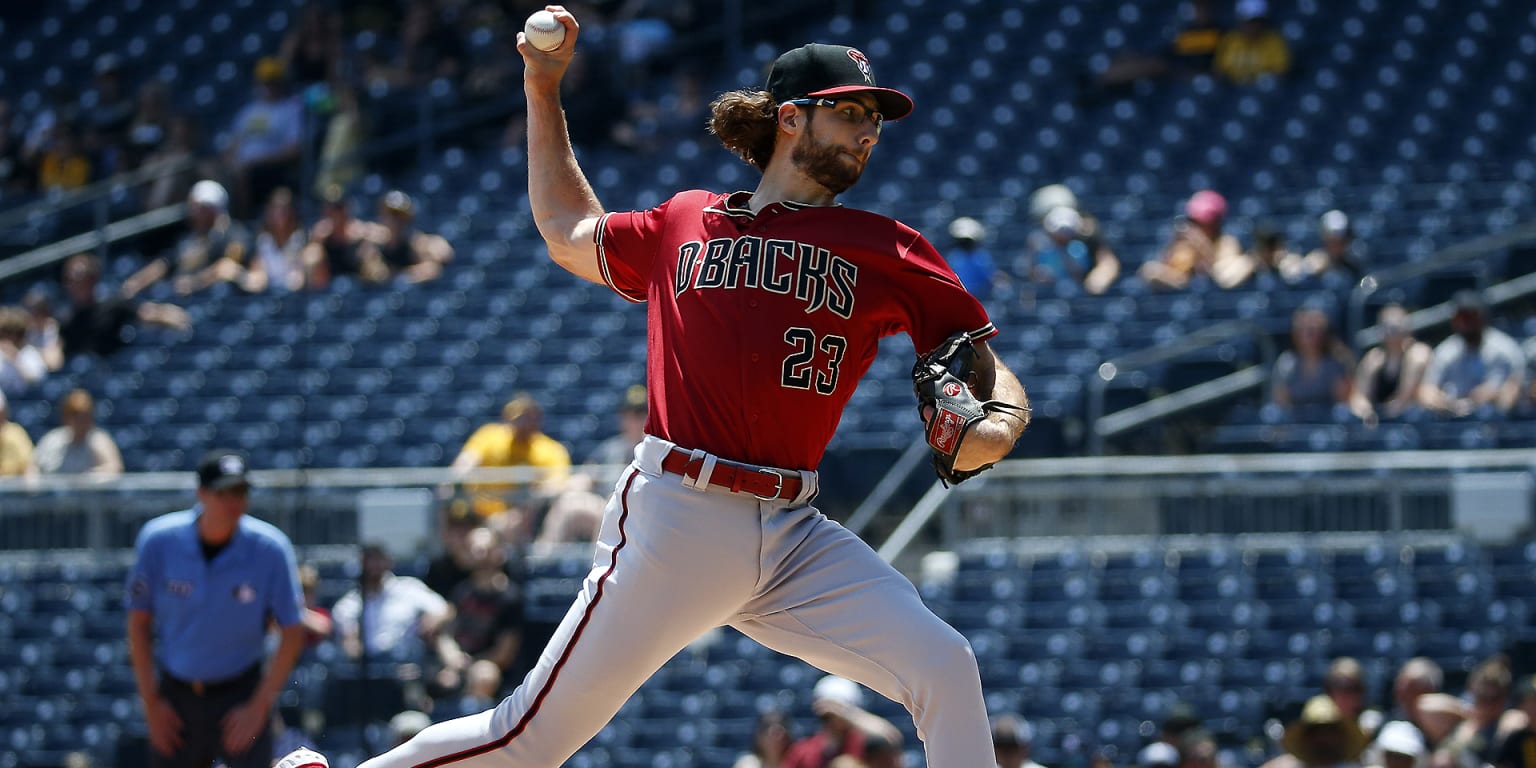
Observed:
{"x":818,"y":69}
{"x":222,"y":469}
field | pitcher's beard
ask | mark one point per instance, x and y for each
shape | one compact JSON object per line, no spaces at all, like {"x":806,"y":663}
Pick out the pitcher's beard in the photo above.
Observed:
{"x":825,"y":164}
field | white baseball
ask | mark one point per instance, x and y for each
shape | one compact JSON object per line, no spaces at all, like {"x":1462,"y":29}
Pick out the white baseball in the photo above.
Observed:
{"x":544,"y":31}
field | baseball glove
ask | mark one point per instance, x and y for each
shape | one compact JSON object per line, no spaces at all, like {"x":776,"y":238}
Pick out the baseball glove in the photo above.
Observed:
{"x":942,"y":380}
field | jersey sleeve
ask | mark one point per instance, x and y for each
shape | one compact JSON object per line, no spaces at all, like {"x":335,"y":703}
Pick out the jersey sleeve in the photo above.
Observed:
{"x":937,"y":305}
{"x":627,"y":248}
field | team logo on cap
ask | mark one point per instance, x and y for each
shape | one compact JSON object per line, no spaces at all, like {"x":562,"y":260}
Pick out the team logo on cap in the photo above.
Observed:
{"x":231,"y":465}
{"x":863,"y":61}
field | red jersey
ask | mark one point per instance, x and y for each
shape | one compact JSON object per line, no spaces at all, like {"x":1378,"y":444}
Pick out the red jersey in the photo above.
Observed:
{"x":760,"y":326}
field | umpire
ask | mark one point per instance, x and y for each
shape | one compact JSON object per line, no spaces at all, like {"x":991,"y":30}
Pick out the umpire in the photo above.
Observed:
{"x":204,"y":583}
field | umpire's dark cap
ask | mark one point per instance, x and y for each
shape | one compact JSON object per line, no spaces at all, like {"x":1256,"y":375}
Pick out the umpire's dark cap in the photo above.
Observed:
{"x":832,"y":70}
{"x":222,"y":469}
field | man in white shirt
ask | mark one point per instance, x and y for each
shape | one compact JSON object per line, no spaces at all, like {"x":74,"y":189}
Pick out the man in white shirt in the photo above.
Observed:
{"x":394,"y":617}
{"x":1477,"y":367}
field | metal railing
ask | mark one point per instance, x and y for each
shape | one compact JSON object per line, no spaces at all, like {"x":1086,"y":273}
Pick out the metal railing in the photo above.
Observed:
{"x":1486,"y":491}
{"x":96,"y":239}
{"x":1471,"y":254}
{"x":1104,"y":426}
{"x":97,"y":194}
{"x":316,"y":507}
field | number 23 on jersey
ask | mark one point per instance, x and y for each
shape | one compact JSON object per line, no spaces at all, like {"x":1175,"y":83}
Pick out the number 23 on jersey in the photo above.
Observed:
{"x":813,"y":363}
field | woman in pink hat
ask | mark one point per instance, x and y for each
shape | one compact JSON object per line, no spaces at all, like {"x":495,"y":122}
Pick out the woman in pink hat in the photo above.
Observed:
{"x":1198,"y":245}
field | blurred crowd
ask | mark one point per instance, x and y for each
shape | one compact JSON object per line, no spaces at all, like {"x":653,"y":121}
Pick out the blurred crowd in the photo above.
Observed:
{"x":1479,"y":371}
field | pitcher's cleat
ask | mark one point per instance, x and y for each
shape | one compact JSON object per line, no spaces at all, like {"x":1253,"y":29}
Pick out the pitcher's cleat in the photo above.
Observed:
{"x":303,"y":757}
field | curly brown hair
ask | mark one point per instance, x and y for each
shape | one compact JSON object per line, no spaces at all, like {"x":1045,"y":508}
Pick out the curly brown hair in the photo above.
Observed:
{"x":746,"y":122}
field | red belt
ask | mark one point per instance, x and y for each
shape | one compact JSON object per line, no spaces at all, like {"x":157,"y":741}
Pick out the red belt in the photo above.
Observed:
{"x":761,"y":482}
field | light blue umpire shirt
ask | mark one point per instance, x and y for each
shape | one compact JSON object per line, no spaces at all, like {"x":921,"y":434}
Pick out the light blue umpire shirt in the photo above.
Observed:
{"x":210,"y":616}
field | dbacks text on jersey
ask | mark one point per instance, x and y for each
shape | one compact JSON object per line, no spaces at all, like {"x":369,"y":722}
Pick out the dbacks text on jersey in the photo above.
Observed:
{"x":813,"y":275}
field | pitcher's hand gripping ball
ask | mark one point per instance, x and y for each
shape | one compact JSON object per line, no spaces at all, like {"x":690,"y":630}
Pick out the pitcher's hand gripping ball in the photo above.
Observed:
{"x":941,"y":380}
{"x":544,"y":31}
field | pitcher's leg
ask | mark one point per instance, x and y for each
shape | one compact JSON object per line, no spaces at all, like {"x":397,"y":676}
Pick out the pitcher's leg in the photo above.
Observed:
{"x":846,"y":611}
{"x":664,"y":574}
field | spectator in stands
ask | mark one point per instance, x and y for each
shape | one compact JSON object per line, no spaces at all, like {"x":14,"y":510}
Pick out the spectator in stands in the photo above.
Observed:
{"x":203,"y":585}
{"x":620,"y":448}
{"x":340,"y":162}
{"x":150,"y":127}
{"x":1190,"y":53}
{"x":1180,"y":720}
{"x":429,"y":47}
{"x":43,"y":328}
{"x":1197,"y":749}
{"x":267,"y":137}
{"x":771,"y":740}
{"x":1345,"y":685}
{"x":1417,"y":677}
{"x":1322,"y":737}
{"x":1519,"y":750}
{"x":970,"y":260}
{"x":482,"y":689}
{"x":574,"y":517}
{"x":1062,"y":257}
{"x":1106,"y":265}
{"x":1013,"y":740}
{"x":93,"y":327}
{"x":1158,"y":754}
{"x":334,"y":241}
{"x":488,"y":608}
{"x":1197,"y":247}
{"x":405,"y":621}
{"x":394,"y":248}
{"x":518,"y":440}
{"x":1438,"y":715}
{"x":278,"y":261}
{"x":1479,"y":369}
{"x":405,"y":725}
{"x":1254,"y":49}
{"x":58,"y":109}
{"x":315,"y":617}
{"x":1490,"y":720}
{"x":312,"y":49}
{"x":65,"y":164}
{"x":178,"y":148}
{"x":1315,"y":373}
{"x":111,"y":112}
{"x":77,"y":446}
{"x":1269,"y":264}
{"x":214,"y":249}
{"x":845,"y":725}
{"x":15,"y":445}
{"x":1339,"y":254}
{"x":451,"y":567}
{"x":1398,"y":745}
{"x":21,"y":364}
{"x":1387,"y":381}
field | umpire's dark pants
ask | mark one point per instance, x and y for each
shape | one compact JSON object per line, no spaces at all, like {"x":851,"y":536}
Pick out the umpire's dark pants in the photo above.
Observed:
{"x":202,"y":707}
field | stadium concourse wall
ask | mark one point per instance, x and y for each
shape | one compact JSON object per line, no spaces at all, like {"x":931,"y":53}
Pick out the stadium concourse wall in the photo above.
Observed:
{"x":1485,"y":495}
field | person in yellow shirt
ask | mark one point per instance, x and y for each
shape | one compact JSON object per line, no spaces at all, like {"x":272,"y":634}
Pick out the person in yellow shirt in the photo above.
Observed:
{"x":15,"y":445}
{"x":65,"y":165}
{"x":517,"y":440}
{"x":1253,"y":50}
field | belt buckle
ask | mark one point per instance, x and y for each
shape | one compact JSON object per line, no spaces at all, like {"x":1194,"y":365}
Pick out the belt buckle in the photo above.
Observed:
{"x":778,"y":486}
